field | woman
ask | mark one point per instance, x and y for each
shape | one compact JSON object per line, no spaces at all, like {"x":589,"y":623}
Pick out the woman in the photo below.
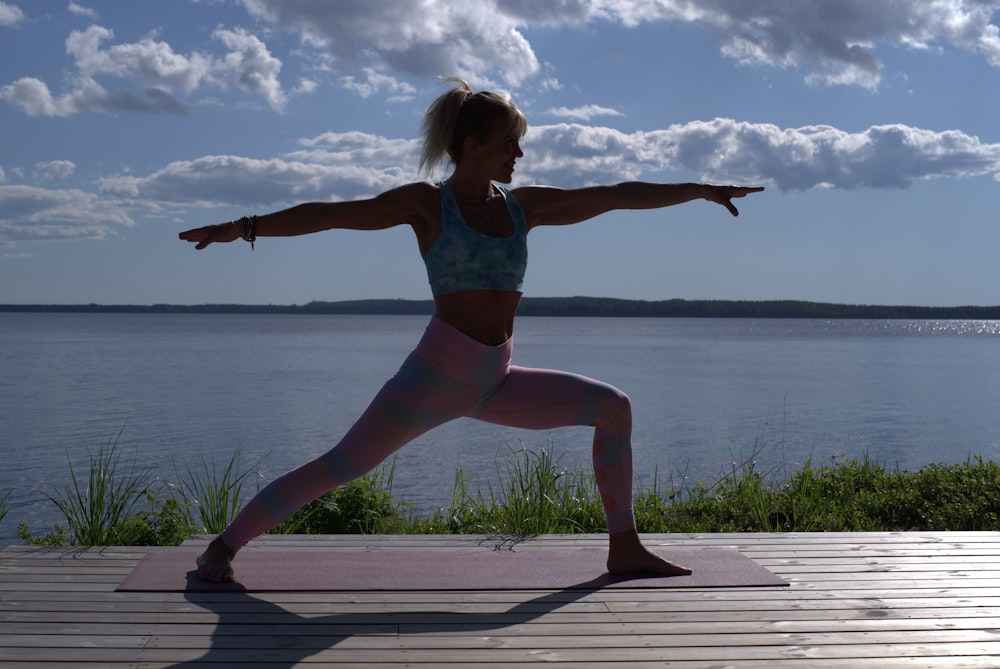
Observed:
{"x":471,"y":234}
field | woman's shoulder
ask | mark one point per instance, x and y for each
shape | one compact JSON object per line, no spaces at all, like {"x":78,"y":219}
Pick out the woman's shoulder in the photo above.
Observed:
{"x":415,"y":189}
{"x":418,"y":195}
{"x":419,"y":204}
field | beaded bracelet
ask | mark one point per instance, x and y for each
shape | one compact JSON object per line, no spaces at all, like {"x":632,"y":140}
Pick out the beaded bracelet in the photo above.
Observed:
{"x":247,"y":225}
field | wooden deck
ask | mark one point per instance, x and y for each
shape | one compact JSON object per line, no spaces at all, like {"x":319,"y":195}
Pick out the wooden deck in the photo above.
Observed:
{"x":856,"y":600}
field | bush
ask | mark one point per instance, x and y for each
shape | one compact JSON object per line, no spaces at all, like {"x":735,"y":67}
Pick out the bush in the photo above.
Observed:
{"x":362,"y":506}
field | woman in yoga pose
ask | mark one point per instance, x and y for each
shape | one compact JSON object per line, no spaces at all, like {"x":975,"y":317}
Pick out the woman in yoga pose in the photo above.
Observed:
{"x":471,"y":233}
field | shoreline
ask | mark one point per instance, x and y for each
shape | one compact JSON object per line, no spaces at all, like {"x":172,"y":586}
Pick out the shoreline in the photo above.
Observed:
{"x":589,"y":307}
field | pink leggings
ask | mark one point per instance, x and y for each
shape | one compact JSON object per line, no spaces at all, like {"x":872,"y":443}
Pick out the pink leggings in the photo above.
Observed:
{"x":450,"y":375}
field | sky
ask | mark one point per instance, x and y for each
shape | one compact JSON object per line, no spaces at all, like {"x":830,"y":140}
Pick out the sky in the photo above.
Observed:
{"x":873,"y":126}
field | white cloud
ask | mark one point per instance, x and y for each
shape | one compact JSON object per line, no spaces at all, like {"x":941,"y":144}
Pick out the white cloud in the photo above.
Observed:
{"x":584,"y":113}
{"x":475,"y":38}
{"x":250,"y":65}
{"x":835,"y":40}
{"x":28,"y":213}
{"x":150,"y":62}
{"x":376,"y":82}
{"x":306,"y":86}
{"x":80,"y":10}
{"x":54,"y":169}
{"x":10,"y":15}
{"x":153,"y":65}
{"x":328,"y":173}
{"x":34,"y":98}
{"x":359,"y":148}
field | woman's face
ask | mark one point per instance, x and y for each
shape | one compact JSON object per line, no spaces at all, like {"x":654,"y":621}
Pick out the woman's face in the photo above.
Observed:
{"x":499,"y":154}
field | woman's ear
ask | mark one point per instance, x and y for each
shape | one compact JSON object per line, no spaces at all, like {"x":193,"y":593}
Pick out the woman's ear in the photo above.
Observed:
{"x":470,"y":145}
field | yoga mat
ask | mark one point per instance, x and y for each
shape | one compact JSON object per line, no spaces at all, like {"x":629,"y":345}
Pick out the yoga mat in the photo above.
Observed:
{"x":449,"y":569}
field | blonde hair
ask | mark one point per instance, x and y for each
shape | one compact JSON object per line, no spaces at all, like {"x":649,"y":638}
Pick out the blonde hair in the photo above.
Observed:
{"x":460,"y":113}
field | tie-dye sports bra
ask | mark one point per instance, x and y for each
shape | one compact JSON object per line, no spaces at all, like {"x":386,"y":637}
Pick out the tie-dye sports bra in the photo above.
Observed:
{"x":463,"y":259}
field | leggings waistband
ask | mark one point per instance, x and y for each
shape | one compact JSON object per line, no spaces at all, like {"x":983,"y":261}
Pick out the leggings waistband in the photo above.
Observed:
{"x":461,"y":357}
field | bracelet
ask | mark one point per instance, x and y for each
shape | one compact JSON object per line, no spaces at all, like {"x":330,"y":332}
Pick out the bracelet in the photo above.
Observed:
{"x":247,"y":225}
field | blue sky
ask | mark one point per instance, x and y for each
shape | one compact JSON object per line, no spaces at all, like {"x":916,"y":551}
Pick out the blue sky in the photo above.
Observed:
{"x":872,"y":124}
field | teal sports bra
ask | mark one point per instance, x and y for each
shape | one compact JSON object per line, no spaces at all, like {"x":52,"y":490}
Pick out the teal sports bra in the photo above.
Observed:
{"x":463,"y":259}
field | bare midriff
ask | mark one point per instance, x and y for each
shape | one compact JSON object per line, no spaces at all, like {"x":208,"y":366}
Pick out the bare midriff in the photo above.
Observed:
{"x":485,"y":315}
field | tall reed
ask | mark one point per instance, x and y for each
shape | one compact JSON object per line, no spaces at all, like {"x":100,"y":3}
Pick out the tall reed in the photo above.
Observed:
{"x":534,"y":495}
{"x":215,"y":495}
{"x":98,"y":510}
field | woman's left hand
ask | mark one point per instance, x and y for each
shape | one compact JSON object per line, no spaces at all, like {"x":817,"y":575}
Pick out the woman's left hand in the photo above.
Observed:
{"x":725,"y":194}
{"x":224,"y":232}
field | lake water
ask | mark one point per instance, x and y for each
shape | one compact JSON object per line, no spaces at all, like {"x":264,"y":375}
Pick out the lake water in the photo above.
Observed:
{"x":707,"y":393}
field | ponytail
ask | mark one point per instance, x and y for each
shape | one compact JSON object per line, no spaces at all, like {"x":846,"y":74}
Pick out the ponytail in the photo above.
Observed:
{"x":460,"y":113}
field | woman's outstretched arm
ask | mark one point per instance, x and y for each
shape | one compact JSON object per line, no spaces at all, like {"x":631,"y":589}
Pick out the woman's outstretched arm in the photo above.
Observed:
{"x":545,"y":205}
{"x":403,"y":205}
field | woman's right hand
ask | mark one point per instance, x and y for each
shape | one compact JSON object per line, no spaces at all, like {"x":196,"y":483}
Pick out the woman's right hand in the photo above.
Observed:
{"x":223,"y":232}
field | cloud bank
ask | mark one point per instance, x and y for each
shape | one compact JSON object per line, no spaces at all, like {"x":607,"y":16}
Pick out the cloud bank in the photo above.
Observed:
{"x":835,"y":42}
{"x":350,"y":165}
{"x":791,"y":159}
{"x":152,"y":66}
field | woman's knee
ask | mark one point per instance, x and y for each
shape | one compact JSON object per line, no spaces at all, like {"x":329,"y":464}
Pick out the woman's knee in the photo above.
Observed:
{"x":616,"y":410}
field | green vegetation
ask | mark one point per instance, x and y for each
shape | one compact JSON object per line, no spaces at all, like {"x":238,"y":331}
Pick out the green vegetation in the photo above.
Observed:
{"x":362,"y":506}
{"x":852,"y":495}
{"x":120,"y":504}
{"x":117,"y":505}
{"x":216,"y":496}
{"x":534,"y":495}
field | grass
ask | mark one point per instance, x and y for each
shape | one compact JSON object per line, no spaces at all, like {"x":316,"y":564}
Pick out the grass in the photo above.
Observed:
{"x":212,"y":496}
{"x":850,"y":495}
{"x":96,"y":512}
{"x":119,"y":503}
{"x":534,"y":495}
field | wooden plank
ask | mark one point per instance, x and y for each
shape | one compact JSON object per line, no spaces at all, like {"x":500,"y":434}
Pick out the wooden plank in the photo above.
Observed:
{"x":679,"y":625}
{"x":648,"y":642}
{"x":873,"y":653}
{"x":784,"y":663}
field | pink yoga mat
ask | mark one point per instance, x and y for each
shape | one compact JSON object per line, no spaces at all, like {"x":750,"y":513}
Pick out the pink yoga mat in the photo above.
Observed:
{"x":441,"y":569}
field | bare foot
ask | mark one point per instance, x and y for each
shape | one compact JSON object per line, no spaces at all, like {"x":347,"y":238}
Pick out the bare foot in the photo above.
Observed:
{"x":627,"y":555}
{"x":216,"y":563}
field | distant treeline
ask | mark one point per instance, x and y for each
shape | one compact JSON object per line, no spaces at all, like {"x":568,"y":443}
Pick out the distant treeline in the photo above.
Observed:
{"x":559,"y":306}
